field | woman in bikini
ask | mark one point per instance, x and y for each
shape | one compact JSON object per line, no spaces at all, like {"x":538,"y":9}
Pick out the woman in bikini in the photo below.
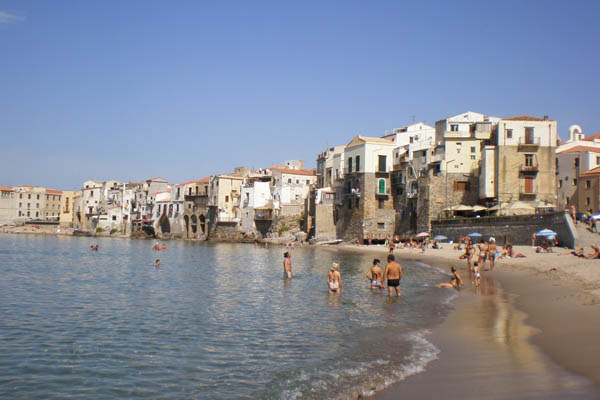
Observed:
{"x":334,"y":279}
{"x":455,"y":281}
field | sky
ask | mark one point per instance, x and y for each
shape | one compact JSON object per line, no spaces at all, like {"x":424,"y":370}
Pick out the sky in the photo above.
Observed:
{"x":130,"y":90}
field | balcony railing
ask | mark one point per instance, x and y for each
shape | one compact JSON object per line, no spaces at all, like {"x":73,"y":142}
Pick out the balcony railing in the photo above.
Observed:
{"x":529,"y":141}
{"x":525,"y":167}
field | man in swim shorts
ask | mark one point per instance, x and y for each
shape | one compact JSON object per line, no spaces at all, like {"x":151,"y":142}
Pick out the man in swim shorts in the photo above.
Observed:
{"x":375,"y":275}
{"x":393,"y":274}
{"x":287,"y":265}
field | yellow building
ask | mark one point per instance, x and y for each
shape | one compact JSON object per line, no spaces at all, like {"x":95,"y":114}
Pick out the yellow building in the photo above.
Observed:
{"x":66,"y":207}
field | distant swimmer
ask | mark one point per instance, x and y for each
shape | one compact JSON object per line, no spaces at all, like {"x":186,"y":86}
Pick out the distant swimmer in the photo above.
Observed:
{"x":375,"y":275}
{"x":156,"y":247}
{"x":334,"y":279}
{"x":157,"y":263}
{"x":455,"y":281}
{"x":164,"y":247}
{"x":393,"y":273}
{"x":287,"y":265}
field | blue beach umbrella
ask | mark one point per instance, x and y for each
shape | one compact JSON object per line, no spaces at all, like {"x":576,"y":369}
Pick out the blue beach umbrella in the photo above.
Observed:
{"x":440,"y":237}
{"x":545,"y":232}
{"x":475,"y":234}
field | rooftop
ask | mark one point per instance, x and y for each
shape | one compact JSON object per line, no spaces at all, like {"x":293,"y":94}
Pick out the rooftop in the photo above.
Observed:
{"x":592,"y":137}
{"x":52,"y":191}
{"x":294,"y":171}
{"x":5,"y":189}
{"x":577,"y":149}
{"x":526,"y":118}
{"x":593,"y":171}
{"x":203,"y":180}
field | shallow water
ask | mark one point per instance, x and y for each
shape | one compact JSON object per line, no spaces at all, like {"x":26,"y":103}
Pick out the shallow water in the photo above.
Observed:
{"x":214,"y":321}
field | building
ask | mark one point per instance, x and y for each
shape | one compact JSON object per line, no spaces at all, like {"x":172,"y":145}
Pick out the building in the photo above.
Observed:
{"x":525,"y":162}
{"x":364,"y":206}
{"x":574,"y":158}
{"x":224,"y":197}
{"x":8,"y":206}
{"x":257,"y":210}
{"x":195,"y":208}
{"x":30,"y":202}
{"x":51,"y":210}
{"x":327,"y":173}
{"x":66,"y":215}
{"x":290,"y":188}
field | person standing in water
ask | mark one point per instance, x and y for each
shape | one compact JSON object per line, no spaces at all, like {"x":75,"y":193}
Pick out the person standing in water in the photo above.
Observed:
{"x":157,"y":263}
{"x":287,"y":265}
{"x":492,"y":251}
{"x":334,"y":279}
{"x":375,"y":275}
{"x":393,"y":273}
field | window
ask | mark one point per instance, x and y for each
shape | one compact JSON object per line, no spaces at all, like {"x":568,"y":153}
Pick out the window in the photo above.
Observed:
{"x":20,"y":214}
{"x":473,"y":157}
{"x":37,"y":213}
{"x":587,"y":201}
{"x":473,"y":149}
{"x":38,"y":197}
{"x":226,"y":199}
{"x":411,"y":140}
{"x":597,"y":160}
{"x":382,"y":163}
{"x":290,"y":180}
{"x":20,"y":205}
{"x":576,"y":162}
{"x":308,"y":182}
{"x":297,"y":181}
{"x":47,"y":197}
{"x":574,"y":182}
{"x":28,"y":205}
{"x":509,"y":133}
{"x":381,"y":186}
{"x":29,"y":196}
{"x":114,"y":217}
{"x":381,"y":225}
{"x":529,"y":135}
{"x":458,"y":150}
{"x":453,"y":127}
{"x":588,"y":184}
{"x":529,"y":160}
{"x":349,"y":164}
{"x":461,"y":186}
{"x":20,"y":195}
{"x":357,"y":163}
{"x":91,"y":193}
{"x":381,"y":204}
{"x":28,"y":213}
{"x":560,"y":183}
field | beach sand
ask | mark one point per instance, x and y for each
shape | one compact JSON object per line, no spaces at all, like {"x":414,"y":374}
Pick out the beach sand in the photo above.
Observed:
{"x":529,"y":332}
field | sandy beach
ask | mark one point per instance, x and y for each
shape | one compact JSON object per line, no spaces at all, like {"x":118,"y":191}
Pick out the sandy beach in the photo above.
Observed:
{"x":533,"y":317}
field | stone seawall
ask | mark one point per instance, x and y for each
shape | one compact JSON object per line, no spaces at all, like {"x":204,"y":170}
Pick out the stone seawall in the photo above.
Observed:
{"x":517,"y":230}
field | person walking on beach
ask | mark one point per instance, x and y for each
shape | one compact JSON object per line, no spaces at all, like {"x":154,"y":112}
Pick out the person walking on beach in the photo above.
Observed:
{"x":375,"y":275}
{"x":492,"y":251}
{"x":476,"y":274}
{"x":334,"y":279}
{"x":287,"y":265}
{"x":393,"y":273}
{"x":483,"y":252}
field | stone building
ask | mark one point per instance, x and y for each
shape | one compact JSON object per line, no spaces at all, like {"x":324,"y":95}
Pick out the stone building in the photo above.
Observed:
{"x":51,"y":210}
{"x":257,"y":211}
{"x":30,"y":202}
{"x":195,"y":208}
{"x":290,"y":188}
{"x":65,"y":218}
{"x":8,"y":206}
{"x":364,"y":206}
{"x":525,"y":162}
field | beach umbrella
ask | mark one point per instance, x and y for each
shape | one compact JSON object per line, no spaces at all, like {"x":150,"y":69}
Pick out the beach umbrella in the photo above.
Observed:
{"x":474,"y":234}
{"x":422,"y":234}
{"x":545,"y":232}
{"x":478,"y":208}
{"x":440,"y":237}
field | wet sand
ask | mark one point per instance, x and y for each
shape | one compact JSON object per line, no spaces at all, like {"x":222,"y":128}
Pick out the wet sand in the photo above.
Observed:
{"x":529,"y":332}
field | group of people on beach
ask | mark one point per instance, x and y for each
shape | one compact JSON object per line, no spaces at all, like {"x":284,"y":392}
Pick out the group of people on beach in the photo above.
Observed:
{"x":377,"y":277}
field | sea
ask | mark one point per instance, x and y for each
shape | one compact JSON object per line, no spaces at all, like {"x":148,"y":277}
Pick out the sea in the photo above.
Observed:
{"x":214,"y":321}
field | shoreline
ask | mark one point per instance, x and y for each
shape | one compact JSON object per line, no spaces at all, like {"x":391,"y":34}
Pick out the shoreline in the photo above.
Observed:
{"x":554,"y":298}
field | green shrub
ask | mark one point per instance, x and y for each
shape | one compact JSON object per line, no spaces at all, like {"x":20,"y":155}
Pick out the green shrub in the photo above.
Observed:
{"x":114,"y":230}
{"x":283,"y":229}
{"x":99,"y":230}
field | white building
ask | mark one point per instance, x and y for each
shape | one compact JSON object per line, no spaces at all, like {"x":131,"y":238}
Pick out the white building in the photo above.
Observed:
{"x":290,"y":188}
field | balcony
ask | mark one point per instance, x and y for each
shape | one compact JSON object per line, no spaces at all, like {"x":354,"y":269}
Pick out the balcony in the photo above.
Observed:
{"x":265,"y":214}
{"x":529,"y":142}
{"x":529,"y":167}
{"x":457,"y":134}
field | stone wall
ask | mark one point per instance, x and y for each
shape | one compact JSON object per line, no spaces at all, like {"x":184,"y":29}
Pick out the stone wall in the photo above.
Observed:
{"x":230,"y":232}
{"x":324,"y":222}
{"x":517,"y":230}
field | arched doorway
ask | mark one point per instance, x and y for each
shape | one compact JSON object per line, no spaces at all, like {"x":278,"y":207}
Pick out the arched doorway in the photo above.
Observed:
{"x":186,"y":219}
{"x":203,"y":224}
{"x":165,"y":226}
{"x":194,"y":225}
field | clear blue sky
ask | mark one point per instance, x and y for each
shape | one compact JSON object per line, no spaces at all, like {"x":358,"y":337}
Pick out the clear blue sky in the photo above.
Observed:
{"x":129,"y":90}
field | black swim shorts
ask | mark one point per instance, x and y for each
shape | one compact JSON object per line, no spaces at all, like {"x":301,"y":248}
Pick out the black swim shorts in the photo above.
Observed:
{"x":393,"y":282}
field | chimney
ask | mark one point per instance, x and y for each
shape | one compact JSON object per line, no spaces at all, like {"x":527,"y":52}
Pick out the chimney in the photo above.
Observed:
{"x":545,"y":118}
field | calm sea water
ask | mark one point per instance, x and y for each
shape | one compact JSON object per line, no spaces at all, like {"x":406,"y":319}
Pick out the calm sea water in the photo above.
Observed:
{"x":214,"y":321}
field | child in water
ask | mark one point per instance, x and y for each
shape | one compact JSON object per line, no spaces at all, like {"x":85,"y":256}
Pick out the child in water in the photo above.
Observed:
{"x":476,"y":274}
{"x":455,"y":281}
